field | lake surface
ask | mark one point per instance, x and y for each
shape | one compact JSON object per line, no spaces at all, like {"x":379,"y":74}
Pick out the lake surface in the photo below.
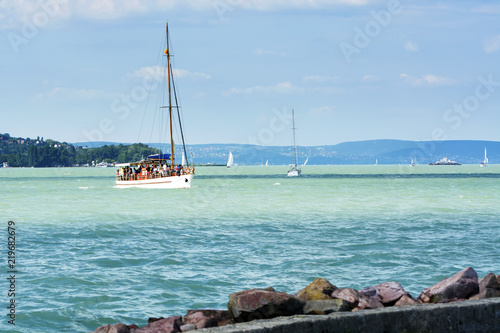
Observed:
{"x":90,"y":254}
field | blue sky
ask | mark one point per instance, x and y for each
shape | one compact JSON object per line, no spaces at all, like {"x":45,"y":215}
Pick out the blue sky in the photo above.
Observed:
{"x":75,"y":70}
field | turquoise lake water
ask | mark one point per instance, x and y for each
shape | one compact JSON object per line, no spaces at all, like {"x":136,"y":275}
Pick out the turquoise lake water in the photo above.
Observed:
{"x":89,"y":254}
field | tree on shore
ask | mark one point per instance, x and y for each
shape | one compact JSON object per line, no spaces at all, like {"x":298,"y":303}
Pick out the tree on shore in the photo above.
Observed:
{"x":20,"y":152}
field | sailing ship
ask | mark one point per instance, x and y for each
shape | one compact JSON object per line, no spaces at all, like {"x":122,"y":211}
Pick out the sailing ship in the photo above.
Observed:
{"x":159,"y":170}
{"x":413,"y":161}
{"x":294,"y":170}
{"x":230,"y":160}
{"x":485,"y":161}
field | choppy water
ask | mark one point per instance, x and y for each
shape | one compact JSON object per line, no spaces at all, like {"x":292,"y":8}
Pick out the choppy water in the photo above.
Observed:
{"x":90,"y":254}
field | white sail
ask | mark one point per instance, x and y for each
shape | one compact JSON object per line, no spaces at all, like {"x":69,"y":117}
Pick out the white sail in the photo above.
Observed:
{"x":267,"y":162}
{"x":183,"y":159}
{"x":307,"y":159}
{"x":485,"y":161}
{"x":230,"y":160}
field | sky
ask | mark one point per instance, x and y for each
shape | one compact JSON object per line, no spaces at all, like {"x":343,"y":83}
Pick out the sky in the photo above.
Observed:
{"x":80,"y":70}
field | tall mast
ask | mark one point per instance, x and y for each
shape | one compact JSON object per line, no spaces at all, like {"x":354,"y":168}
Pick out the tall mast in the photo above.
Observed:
{"x":294,"y":146}
{"x":167,"y":52}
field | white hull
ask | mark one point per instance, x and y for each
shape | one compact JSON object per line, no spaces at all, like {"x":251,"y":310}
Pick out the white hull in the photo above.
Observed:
{"x":182,"y":181}
{"x":294,"y":173}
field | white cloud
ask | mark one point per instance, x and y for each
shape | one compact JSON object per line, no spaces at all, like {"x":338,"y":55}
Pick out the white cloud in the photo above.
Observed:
{"x":261,"y":52}
{"x":370,"y":78}
{"x":279,"y":88}
{"x":491,"y":44}
{"x":411,"y":46}
{"x":157,"y":71}
{"x":428,"y":79}
{"x":148,"y":72}
{"x":15,"y":12}
{"x":266,"y":5}
{"x":192,"y":75}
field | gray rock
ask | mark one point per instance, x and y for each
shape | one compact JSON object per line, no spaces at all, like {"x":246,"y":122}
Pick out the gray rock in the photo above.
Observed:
{"x":187,"y":327}
{"x":323,"y":307}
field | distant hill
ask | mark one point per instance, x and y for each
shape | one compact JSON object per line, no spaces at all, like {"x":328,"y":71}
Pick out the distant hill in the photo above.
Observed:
{"x":98,"y":144}
{"x":357,"y":152}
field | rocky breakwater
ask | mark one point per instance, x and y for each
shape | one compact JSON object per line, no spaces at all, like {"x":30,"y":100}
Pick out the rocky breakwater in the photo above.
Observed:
{"x":318,"y":298}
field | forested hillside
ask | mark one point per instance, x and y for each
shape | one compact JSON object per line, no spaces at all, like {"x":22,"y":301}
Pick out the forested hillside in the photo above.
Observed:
{"x":26,"y":152}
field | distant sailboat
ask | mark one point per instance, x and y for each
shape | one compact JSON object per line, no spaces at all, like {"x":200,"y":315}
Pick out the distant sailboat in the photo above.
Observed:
{"x":485,"y":159}
{"x":307,"y":159}
{"x":413,"y":161}
{"x":294,"y":171}
{"x":376,"y":161}
{"x":230,"y":160}
{"x":267,"y":162}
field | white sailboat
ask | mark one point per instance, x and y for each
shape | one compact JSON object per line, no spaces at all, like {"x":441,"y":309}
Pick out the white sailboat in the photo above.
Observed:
{"x":294,"y":170}
{"x":160,"y":170}
{"x":413,"y":161}
{"x":307,"y":159}
{"x":230,"y":160}
{"x":485,"y":161}
{"x":267,"y":162}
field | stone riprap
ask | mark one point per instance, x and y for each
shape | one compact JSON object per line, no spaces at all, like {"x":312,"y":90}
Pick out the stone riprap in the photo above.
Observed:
{"x":322,"y":307}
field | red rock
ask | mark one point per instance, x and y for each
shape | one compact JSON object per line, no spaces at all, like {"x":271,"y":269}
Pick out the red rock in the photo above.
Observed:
{"x":253,"y":304}
{"x":351,"y":296}
{"x":366,"y":302}
{"x":165,"y":325}
{"x":317,"y":290}
{"x":387,"y":293}
{"x":207,"y":318}
{"x":116,"y":328}
{"x":489,"y":286}
{"x":150,"y":320}
{"x":356,"y":300}
{"x":406,"y":299}
{"x":460,"y":286}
